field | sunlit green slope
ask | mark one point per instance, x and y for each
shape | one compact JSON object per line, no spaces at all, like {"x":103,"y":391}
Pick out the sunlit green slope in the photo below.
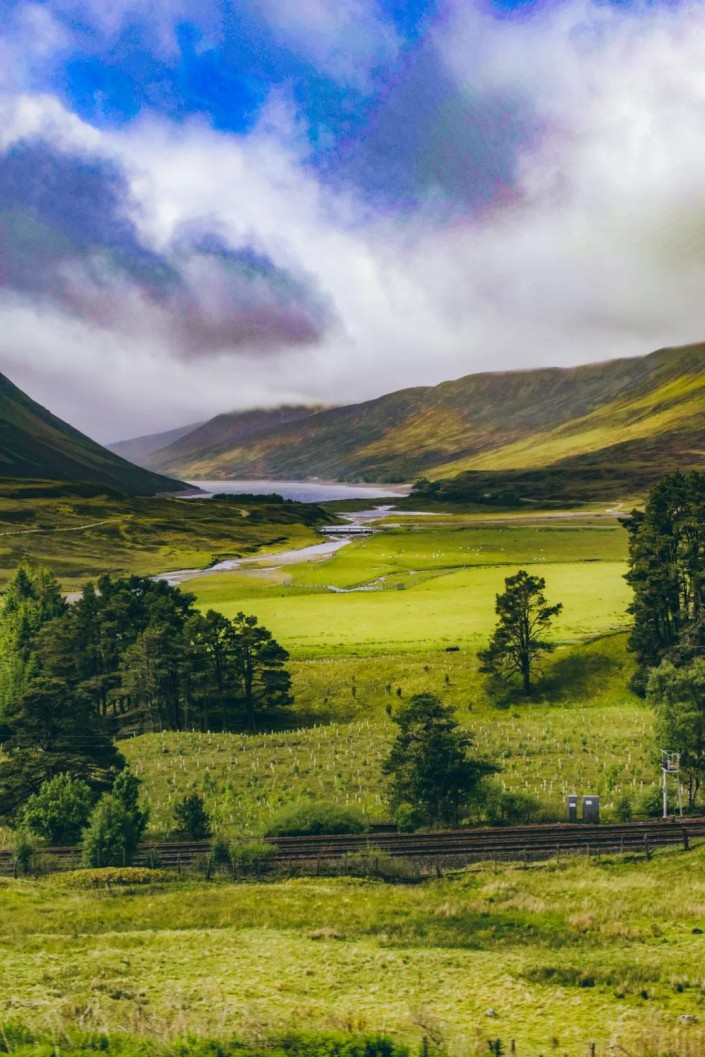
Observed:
{"x":616,"y":413}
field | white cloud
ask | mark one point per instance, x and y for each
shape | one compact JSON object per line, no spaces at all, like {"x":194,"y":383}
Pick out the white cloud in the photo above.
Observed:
{"x":343,"y":38}
{"x":602,"y":254}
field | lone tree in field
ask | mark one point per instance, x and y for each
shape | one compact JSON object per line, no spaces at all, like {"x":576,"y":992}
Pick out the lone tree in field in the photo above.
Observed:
{"x":667,"y":574}
{"x":429,"y":766}
{"x":519,"y":638}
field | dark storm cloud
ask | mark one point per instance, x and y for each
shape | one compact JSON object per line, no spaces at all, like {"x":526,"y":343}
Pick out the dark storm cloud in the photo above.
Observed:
{"x":67,"y":236}
{"x":428,"y":139}
{"x":247,"y":299}
{"x":57,"y":210}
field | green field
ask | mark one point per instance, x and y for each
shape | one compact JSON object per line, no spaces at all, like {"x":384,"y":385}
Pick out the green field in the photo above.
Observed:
{"x":432,"y":587}
{"x":585,"y":732}
{"x":562,"y":953}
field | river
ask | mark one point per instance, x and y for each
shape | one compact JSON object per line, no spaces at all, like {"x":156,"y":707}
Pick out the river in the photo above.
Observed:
{"x":356,"y":524}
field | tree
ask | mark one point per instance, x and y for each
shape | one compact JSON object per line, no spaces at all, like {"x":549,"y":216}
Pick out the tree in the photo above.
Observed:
{"x":261,"y":679}
{"x":60,"y":810}
{"x":429,"y":766}
{"x":53,"y":730}
{"x":32,"y":599}
{"x":678,"y":697}
{"x":667,"y":574}
{"x":192,"y":819}
{"x":524,"y":618}
{"x":116,"y":825}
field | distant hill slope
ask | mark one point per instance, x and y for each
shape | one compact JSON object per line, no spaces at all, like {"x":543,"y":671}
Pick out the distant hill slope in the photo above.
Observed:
{"x":629,"y":411}
{"x":36,"y":445}
{"x":210,"y":445}
{"x":140,"y":448}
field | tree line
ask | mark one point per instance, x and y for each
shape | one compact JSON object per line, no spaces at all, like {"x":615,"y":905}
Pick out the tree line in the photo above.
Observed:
{"x":131,"y":655}
{"x":667,"y":575}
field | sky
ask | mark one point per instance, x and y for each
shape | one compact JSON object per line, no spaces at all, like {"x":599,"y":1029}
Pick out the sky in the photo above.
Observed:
{"x":244,"y":203}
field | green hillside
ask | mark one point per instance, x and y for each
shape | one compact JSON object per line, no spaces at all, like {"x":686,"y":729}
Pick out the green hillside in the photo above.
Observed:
{"x":602,"y":419}
{"x":36,"y":445}
{"x":212,"y":442}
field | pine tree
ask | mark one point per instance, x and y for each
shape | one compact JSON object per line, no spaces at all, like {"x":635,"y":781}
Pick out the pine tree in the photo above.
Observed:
{"x":667,"y":573}
{"x":53,"y":730}
{"x":518,"y":639}
{"x":32,"y":599}
{"x":429,"y":766}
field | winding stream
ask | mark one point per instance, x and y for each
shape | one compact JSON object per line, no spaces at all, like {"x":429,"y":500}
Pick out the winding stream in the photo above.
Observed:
{"x":316,"y":552}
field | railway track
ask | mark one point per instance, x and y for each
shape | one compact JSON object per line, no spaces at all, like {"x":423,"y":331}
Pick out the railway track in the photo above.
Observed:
{"x":450,"y":847}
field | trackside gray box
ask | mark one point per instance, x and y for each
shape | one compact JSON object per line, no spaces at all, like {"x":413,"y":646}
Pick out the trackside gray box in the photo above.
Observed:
{"x":572,"y":804}
{"x":591,"y":809}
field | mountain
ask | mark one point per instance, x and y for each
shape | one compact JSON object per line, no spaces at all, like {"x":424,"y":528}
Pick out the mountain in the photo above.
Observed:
{"x":209,"y":445}
{"x":36,"y":445}
{"x":639,"y":416}
{"x":140,"y":448}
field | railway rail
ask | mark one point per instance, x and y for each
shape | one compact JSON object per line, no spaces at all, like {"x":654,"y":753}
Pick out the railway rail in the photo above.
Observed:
{"x":443,"y":848}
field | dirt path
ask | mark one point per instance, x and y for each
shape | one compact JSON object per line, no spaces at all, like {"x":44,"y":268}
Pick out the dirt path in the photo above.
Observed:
{"x":75,"y":528}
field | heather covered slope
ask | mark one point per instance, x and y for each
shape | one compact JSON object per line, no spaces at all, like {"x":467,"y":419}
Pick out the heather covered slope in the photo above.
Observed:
{"x":36,"y":445}
{"x":498,"y":422}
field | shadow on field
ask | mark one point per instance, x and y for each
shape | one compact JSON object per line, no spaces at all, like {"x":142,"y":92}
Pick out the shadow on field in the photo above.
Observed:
{"x":575,"y":675}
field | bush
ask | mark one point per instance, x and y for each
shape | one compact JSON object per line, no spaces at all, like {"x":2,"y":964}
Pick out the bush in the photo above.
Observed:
{"x":407,"y":818}
{"x":116,"y":825}
{"x":375,"y":863}
{"x":192,"y":819}
{"x":318,"y":817}
{"x":252,"y":858}
{"x":23,"y":852}
{"x":507,"y":809}
{"x":623,"y":808}
{"x":60,"y":810}
{"x":650,"y":803}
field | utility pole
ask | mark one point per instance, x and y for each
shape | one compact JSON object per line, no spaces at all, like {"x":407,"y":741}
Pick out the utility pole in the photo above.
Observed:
{"x":671,"y":765}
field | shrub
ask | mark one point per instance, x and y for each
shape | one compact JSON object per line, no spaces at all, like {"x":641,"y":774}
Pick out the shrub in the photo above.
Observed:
{"x":60,"y":810}
{"x":318,"y":817}
{"x":23,"y":851}
{"x":375,"y":863}
{"x":623,"y":808}
{"x":407,"y":818}
{"x":650,"y":804}
{"x":116,"y":825}
{"x":505,"y":809}
{"x":252,"y":858}
{"x":192,"y":819}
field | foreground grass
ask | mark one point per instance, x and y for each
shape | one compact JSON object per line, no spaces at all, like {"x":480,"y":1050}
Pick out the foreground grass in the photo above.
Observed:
{"x":568,"y":951}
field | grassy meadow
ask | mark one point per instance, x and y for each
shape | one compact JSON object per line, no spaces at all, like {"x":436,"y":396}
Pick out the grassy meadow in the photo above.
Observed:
{"x":79,"y":539}
{"x":419,"y":586}
{"x":357,"y":652}
{"x":584,"y":732}
{"x":553,"y":956}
